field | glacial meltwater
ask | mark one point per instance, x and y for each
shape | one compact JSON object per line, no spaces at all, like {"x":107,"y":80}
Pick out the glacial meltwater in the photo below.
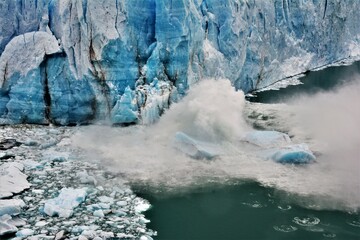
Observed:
{"x":240,"y":195}
{"x":249,"y":210}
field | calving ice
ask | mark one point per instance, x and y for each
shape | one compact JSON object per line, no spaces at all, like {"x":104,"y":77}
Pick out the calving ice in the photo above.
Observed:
{"x":77,"y":61}
{"x":158,"y":91}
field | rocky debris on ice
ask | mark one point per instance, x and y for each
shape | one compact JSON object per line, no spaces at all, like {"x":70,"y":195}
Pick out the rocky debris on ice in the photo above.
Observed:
{"x":12,"y":179}
{"x":64,"y":204}
{"x":278,"y":147}
{"x":195,"y":148}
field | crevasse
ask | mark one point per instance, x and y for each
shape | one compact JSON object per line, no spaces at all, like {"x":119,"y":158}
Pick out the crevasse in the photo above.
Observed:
{"x":70,"y":61}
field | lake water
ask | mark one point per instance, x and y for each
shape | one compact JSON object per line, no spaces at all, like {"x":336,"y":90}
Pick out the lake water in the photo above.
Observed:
{"x":245,"y":211}
{"x":248,"y":210}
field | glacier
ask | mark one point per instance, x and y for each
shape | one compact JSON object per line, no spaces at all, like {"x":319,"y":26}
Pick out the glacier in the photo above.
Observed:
{"x":73,"y":62}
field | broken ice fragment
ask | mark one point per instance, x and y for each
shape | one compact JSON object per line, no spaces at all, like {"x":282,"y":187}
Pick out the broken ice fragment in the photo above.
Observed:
{"x":64,"y":204}
{"x":296,"y":154}
{"x":5,"y":226}
{"x":11,"y":206}
{"x":267,"y":139}
{"x":25,"y":232}
{"x":195,"y":148}
{"x":278,"y":147}
{"x":12,"y":179}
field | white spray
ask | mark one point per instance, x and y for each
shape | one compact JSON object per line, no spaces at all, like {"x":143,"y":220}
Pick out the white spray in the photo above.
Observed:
{"x":214,"y":111}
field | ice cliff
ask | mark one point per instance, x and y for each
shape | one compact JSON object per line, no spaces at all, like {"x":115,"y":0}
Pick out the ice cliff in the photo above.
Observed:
{"x":73,"y":61}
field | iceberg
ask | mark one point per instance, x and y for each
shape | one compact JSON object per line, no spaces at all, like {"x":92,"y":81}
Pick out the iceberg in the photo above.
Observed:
{"x":195,"y":148}
{"x":295,"y":154}
{"x":64,"y":204}
{"x":267,"y":139}
{"x":74,"y":62}
{"x":277,"y":146}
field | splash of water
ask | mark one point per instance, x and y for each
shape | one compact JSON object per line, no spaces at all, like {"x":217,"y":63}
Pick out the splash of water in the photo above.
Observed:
{"x":214,"y":111}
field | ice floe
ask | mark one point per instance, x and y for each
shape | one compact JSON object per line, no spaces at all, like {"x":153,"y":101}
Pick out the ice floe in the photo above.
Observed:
{"x":12,"y":179}
{"x":64,"y":204}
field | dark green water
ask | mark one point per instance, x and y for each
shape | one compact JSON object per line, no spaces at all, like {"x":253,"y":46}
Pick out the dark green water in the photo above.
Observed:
{"x":250,"y":211}
{"x":246,"y":211}
{"x":313,"y":82}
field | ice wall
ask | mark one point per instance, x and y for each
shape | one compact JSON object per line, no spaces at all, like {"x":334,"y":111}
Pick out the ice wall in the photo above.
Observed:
{"x":70,"y":61}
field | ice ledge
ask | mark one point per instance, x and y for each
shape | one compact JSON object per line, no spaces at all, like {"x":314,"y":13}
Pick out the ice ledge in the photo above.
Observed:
{"x":25,"y":53}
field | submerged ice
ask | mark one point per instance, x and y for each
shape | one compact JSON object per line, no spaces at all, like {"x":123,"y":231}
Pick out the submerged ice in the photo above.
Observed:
{"x":71,"y":62}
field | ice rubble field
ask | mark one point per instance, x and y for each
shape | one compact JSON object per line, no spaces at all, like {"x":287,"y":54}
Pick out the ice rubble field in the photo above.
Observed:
{"x":48,"y":191}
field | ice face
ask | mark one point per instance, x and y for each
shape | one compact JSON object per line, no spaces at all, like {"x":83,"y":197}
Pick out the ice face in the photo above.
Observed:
{"x":70,"y":62}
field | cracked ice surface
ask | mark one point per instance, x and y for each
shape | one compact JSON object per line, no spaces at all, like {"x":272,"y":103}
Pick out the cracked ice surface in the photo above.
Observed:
{"x":82,"y":55}
{"x":12,"y":179}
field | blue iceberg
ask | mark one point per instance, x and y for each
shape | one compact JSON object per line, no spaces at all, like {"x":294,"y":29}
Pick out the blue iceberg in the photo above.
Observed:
{"x":278,"y":147}
{"x":294,"y":154}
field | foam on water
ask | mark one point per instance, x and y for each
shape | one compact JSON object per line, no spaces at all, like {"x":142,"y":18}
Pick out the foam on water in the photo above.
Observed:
{"x":214,"y":111}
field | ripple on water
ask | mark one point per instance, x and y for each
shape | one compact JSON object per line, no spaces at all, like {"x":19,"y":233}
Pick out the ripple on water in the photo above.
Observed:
{"x":284,"y":208}
{"x":353,"y":223}
{"x":329,"y":235}
{"x":254,"y":204}
{"x":314,"y":229}
{"x":285,"y":228}
{"x":306,"y":221}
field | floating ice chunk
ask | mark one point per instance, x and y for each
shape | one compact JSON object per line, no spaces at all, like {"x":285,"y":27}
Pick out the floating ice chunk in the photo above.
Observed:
{"x":55,"y":156}
{"x":25,"y":232}
{"x":195,"y":148}
{"x":99,"y":213}
{"x":5,"y":225}
{"x":296,"y":154}
{"x":105,"y":199}
{"x":64,"y":204}
{"x":11,"y":206}
{"x":30,"y":164}
{"x":277,"y":146}
{"x":84,"y":178}
{"x":12,"y":179}
{"x":121,"y":203}
{"x":41,"y":224}
{"x":146,"y":237}
{"x":141,"y":206}
{"x":106,"y":235}
{"x":89,"y":234}
{"x":17,"y":221}
{"x":267,"y":139}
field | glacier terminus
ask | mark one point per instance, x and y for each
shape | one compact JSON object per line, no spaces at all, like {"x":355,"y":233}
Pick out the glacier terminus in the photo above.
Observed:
{"x":72,"y":62}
